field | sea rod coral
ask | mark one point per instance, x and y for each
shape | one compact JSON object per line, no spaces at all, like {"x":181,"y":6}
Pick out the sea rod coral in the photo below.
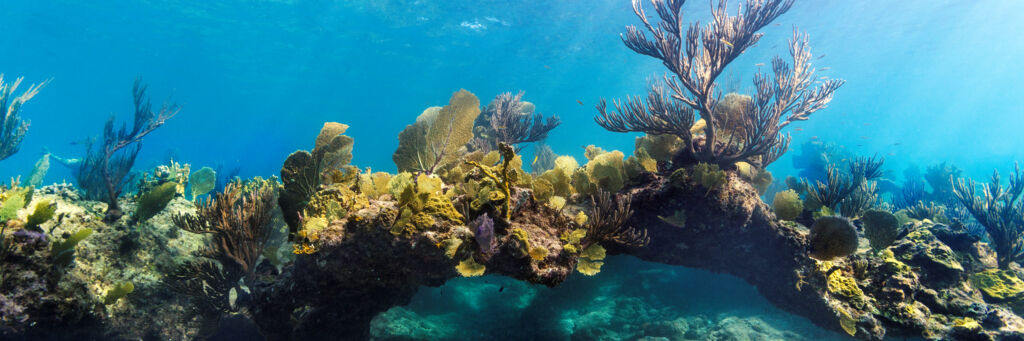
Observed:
{"x":101,"y":174}
{"x":12,"y":127}
{"x":696,"y":56}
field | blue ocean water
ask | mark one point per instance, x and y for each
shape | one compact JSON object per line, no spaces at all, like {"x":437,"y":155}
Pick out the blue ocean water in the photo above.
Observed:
{"x":927,"y":81}
{"x":257,"y":78}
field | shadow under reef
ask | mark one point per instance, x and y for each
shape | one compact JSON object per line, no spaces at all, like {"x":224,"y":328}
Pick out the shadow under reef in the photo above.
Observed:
{"x":631,"y":299}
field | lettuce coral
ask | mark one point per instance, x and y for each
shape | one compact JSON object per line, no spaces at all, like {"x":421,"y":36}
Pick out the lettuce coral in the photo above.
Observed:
{"x":42,"y":213}
{"x":117,"y":292}
{"x":470,"y":268}
{"x":591,"y":260}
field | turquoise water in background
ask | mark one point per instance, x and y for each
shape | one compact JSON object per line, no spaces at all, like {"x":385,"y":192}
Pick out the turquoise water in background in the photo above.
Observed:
{"x":256,"y":79}
{"x":927,"y":82}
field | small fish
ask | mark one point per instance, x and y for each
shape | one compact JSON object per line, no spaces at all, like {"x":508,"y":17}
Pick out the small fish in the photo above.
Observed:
{"x":726,"y":42}
{"x":860,"y":145}
{"x":773,"y":46}
{"x":759,"y":64}
{"x":814,"y":137}
{"x":501,"y":289}
{"x":821,"y":56}
{"x":864,"y":137}
{"x":535,"y":157}
{"x":579,"y":101}
{"x":867,"y":123}
{"x":823,"y":77}
{"x":825,"y":68}
{"x":799,"y":129}
{"x":547,"y":67}
{"x":891,"y":154}
{"x":896,"y":144}
{"x":778,"y":24}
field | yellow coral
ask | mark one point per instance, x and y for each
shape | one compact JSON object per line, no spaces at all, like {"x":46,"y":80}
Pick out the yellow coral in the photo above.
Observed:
{"x":843,"y":286}
{"x":470,"y":268}
{"x":538,"y":253}
{"x":591,"y":260}
{"x":581,"y":218}
{"x":556,"y":202}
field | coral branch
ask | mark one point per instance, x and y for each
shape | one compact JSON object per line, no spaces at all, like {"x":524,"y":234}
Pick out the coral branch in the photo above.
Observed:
{"x":607,"y":222}
{"x":239,"y":222}
{"x":102,"y":171}
{"x":12,"y":127}
{"x":1000,"y":210}
{"x":510,"y":120}
{"x":696,"y":58}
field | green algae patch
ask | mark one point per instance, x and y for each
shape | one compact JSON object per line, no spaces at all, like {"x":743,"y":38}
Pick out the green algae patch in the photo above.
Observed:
{"x":843,"y":286}
{"x":967,"y":324}
{"x":998,"y":285}
{"x":117,"y":292}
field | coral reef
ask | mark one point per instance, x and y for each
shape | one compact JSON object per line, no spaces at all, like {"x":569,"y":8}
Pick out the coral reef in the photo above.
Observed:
{"x":1000,"y":210}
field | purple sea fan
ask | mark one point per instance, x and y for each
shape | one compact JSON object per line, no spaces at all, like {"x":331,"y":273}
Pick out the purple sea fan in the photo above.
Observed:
{"x":483,"y":227}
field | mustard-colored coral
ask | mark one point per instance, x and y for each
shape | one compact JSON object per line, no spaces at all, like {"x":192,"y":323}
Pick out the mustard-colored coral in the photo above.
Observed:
{"x":470,"y":268}
{"x":421,"y":204}
{"x":572,"y":239}
{"x":843,"y":286}
{"x":538,"y":253}
{"x":504,"y":176}
{"x":591,"y":260}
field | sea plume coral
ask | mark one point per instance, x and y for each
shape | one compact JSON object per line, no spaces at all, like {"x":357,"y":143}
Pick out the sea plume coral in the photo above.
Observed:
{"x":12,"y":127}
{"x":508,"y":119}
{"x":239,"y":221}
{"x":1000,"y":209}
{"x":696,"y":55}
{"x":105,"y":166}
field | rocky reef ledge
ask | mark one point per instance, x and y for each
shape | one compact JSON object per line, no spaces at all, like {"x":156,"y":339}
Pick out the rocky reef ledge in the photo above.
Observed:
{"x":920,"y":286}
